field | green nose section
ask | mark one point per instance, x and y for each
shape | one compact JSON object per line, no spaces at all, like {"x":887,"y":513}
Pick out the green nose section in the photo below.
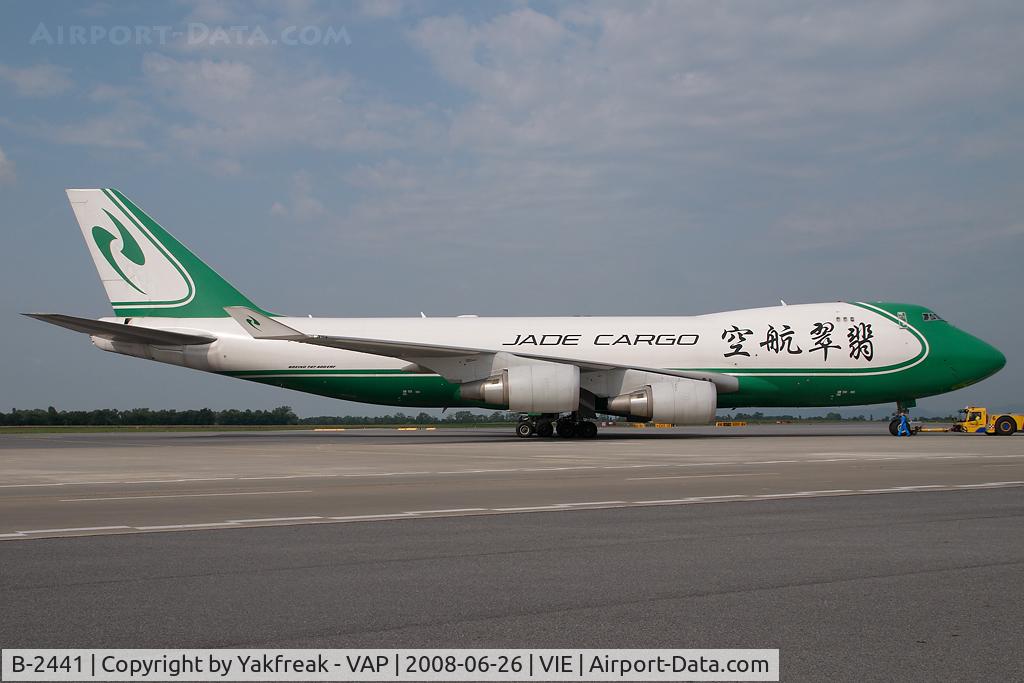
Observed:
{"x":996,"y":359}
{"x":973,"y":360}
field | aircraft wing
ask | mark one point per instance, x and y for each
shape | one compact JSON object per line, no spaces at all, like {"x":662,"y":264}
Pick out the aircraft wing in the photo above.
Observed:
{"x":121,"y":332}
{"x":262,"y":327}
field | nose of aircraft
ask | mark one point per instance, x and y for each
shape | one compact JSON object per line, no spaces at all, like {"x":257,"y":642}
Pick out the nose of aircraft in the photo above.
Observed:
{"x":973,"y":359}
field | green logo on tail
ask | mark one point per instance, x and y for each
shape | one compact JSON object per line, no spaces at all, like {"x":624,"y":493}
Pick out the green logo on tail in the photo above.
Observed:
{"x":130,"y":249}
{"x":253,"y":322}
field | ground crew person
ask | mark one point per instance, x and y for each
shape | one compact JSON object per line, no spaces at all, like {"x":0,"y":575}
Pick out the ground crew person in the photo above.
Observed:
{"x":904,"y":428}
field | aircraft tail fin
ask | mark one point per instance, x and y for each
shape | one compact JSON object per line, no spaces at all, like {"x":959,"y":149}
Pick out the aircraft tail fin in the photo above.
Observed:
{"x":146,"y":271}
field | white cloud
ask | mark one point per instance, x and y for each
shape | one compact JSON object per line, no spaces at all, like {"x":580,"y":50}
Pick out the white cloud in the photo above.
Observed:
{"x":387,"y":175}
{"x":41,"y":80}
{"x":124,"y":124}
{"x":227,"y":167}
{"x":301,"y":204}
{"x":96,"y":9}
{"x":672,"y":75}
{"x":381,"y":9}
{"x":7,"y":174}
{"x":240,"y":105}
{"x":98,"y":131}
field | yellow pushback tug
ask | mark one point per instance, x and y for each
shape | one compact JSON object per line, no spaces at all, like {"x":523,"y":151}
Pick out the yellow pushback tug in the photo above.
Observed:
{"x":978,"y":420}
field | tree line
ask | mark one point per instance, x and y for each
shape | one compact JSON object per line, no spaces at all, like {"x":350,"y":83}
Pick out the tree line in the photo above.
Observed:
{"x":283,"y":415}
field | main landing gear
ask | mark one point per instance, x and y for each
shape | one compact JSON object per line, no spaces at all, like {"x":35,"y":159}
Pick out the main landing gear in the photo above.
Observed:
{"x":567,"y":427}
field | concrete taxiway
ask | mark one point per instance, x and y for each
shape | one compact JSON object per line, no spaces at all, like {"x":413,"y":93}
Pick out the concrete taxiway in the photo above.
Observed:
{"x":85,"y":484}
{"x":905,"y":586}
{"x":859,"y":556}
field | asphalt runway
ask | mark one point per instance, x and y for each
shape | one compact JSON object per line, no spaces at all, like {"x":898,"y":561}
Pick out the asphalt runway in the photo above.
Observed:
{"x":905,"y":586}
{"x":859,"y":556}
{"x":86,"y":484}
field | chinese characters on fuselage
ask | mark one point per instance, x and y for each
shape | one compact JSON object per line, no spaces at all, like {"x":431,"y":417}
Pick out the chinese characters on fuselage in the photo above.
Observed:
{"x":779,"y":339}
{"x":821,"y":335}
{"x":735,"y":338}
{"x":861,"y":344}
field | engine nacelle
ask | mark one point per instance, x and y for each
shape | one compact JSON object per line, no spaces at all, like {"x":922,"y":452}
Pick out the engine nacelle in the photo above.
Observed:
{"x":681,"y":402}
{"x":536,"y":388}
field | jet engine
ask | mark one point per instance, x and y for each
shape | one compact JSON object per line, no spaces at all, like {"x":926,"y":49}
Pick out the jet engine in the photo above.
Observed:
{"x":539,"y":387}
{"x":681,"y":402}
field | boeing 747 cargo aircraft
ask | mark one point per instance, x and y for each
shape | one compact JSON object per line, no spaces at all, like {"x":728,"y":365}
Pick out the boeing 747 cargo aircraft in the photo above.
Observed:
{"x":559,"y":372}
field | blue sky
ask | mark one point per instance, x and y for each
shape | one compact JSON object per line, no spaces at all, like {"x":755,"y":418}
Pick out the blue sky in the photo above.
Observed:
{"x":513,"y":159}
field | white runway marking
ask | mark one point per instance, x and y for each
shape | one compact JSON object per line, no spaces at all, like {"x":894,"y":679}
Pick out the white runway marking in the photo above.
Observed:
{"x":73,"y":529}
{"x":862,"y":457}
{"x":185,"y":495}
{"x":782,"y":495}
{"x":664,"y":501}
{"x":914,"y":488}
{"x":897,"y":489}
{"x":163,"y":527}
{"x":271,"y":519}
{"x":990,"y":484}
{"x":691,"y":499}
{"x":62,"y":483}
{"x":903,"y":453}
{"x":421,"y":514}
{"x":596,"y":502}
{"x":703,"y":476}
{"x":174,"y":481}
{"x":832,"y":460}
{"x":386,"y":474}
{"x":283,"y":476}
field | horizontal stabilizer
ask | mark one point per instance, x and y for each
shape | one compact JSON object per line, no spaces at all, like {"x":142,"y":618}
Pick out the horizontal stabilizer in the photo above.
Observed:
{"x":121,"y":332}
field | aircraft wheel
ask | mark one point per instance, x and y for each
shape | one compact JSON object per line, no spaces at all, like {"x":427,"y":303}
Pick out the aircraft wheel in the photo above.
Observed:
{"x":1005,"y":426}
{"x":545,"y":429}
{"x":894,"y":427}
{"x":525,"y":429}
{"x":587,"y":430}
{"x":566,"y":429}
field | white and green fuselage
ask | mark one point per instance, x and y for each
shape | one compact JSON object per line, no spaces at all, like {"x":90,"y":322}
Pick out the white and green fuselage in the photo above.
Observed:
{"x":827,"y":354}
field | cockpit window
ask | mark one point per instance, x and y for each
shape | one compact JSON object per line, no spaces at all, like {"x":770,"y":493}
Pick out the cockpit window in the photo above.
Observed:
{"x":930,"y":316}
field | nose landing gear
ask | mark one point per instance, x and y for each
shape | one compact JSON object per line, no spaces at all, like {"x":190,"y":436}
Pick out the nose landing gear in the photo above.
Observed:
{"x":901,"y":424}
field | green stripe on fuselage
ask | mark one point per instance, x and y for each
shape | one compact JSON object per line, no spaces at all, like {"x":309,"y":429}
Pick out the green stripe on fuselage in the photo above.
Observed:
{"x":387,"y":387}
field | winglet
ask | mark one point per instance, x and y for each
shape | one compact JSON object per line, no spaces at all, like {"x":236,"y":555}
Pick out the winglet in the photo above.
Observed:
{"x":260,"y":326}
